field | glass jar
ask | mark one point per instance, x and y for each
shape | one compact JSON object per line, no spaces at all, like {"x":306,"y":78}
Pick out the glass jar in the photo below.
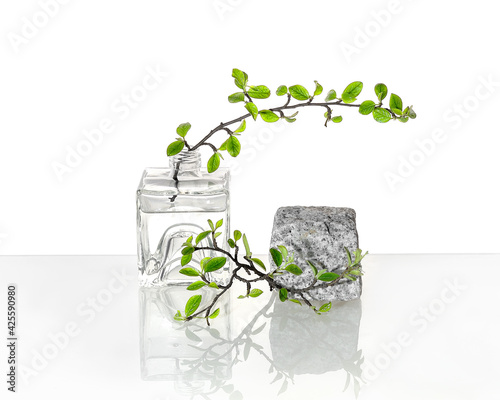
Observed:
{"x":173,"y":204}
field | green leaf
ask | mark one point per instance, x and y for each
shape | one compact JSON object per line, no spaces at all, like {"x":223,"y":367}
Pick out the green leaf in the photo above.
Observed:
{"x":349,"y":258}
{"x":223,"y":146}
{"x":255,"y":293}
{"x":186,"y":259}
{"x":318,"y":90}
{"x":331,"y":95}
{"x":337,"y":119}
{"x":259,"y":263}
{"x":219,"y":223}
{"x":202,"y":236}
{"x":294,"y":269}
{"x":283,"y":251}
{"x":403,"y":119}
{"x":240,"y":78}
{"x":233,"y":146}
{"x":183,"y":129}
{"x":178,"y":316}
{"x":213,"y":285}
{"x":241,"y":297}
{"x":192,"y":304}
{"x":203,"y":262}
{"x":366,"y":107}
{"x":269,"y":116}
{"x":211,"y":224}
{"x":356,"y":272}
{"x":287,"y":119}
{"x":276,"y":255}
{"x":357,"y":256}
{"x":247,"y":246}
{"x":217,"y":235}
{"x":396,"y":104}
{"x":215,"y":264}
{"x":296,"y":301}
{"x":282,"y":90}
{"x":214,"y":314}
{"x":380,"y":91}
{"x":381,"y":115}
{"x":196,"y":285}
{"x":259,"y":92}
{"x":242,"y":126}
{"x":213,"y":163}
{"x":253,"y":110}
{"x":412,"y":113}
{"x":314,"y":269}
{"x":175,"y":148}
{"x":189,"y":272}
{"x":236,"y":97}
{"x":352,"y":91}
{"x":231,"y":243}
{"x":237,"y":235}
{"x":328,"y":276}
{"x":187,"y":250}
{"x":299,"y":92}
{"x":325,"y":307}
{"x":283,"y":294}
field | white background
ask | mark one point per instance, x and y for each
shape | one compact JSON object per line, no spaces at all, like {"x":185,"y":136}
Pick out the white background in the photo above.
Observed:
{"x":70,"y":73}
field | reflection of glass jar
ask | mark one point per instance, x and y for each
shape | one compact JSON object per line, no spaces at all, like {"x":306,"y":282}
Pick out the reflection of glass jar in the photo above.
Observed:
{"x":192,"y":354}
{"x":173,"y":204}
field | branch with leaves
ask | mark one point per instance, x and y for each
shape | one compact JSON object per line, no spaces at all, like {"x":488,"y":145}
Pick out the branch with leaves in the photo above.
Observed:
{"x":255,"y":271}
{"x":249,"y":93}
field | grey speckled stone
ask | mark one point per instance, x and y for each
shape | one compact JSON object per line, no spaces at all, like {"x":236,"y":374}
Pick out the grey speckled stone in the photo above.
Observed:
{"x":317,"y":234}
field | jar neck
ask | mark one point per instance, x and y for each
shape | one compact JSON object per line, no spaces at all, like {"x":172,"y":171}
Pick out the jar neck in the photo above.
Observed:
{"x":186,"y":161}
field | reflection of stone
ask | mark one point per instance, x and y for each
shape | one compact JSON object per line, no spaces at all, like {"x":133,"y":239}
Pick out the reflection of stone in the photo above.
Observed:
{"x":175,"y":351}
{"x":317,"y":234}
{"x":303,"y":342}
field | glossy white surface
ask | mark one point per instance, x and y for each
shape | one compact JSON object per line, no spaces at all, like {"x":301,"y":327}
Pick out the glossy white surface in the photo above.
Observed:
{"x":426,"y":327}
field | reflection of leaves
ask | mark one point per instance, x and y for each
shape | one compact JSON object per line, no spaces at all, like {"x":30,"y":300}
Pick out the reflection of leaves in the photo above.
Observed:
{"x":353,"y":369}
{"x":259,"y":329}
{"x":214,"y":333}
{"x":228,"y":388}
{"x":278,"y":376}
{"x":236,"y":395}
{"x":283,"y":387}
{"x":357,"y":387}
{"x":192,"y":336}
{"x":347,"y":382}
{"x":246,"y":351}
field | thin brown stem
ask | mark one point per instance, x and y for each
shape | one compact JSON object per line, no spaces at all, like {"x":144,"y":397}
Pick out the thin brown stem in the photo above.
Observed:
{"x":286,"y":106}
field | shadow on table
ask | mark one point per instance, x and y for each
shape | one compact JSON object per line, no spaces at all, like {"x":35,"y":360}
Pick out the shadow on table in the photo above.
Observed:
{"x":200,"y":359}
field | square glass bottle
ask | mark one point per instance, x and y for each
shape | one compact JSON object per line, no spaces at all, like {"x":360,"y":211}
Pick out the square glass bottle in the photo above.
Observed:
{"x":173,"y":204}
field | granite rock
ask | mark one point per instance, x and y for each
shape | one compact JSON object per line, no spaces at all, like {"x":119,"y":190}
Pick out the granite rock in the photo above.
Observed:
{"x":317,"y":234}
